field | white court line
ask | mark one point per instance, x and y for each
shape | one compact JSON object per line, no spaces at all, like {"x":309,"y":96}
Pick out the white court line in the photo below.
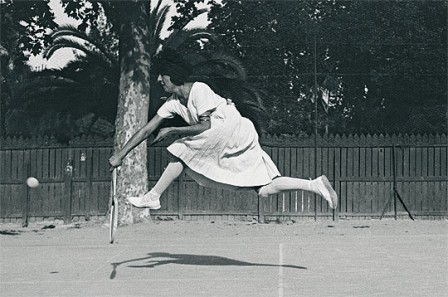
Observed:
{"x":280,"y":270}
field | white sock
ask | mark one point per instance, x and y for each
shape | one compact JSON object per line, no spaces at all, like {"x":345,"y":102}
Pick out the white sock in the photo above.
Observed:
{"x":286,"y":184}
{"x":171,"y":172}
{"x":153,"y":195}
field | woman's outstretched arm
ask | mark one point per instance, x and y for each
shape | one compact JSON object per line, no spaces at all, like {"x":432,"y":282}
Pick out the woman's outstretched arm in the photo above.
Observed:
{"x":135,"y":140}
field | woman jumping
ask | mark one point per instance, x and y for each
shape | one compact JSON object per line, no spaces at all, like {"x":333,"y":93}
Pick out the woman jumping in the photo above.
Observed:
{"x":219,"y":147}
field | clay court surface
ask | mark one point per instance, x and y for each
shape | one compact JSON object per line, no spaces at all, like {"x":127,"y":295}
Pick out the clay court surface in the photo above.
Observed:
{"x":179,"y":258}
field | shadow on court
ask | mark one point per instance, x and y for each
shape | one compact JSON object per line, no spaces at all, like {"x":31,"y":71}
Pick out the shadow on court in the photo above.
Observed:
{"x":160,"y":258}
{"x":9,"y":232}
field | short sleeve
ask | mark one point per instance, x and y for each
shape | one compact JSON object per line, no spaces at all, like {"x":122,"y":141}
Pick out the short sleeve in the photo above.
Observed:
{"x":204,"y":99}
{"x":167,"y":110}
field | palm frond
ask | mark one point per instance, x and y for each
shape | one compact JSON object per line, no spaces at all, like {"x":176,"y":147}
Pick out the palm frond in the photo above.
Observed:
{"x":76,"y":64}
{"x":180,"y":38}
{"x":63,"y":42}
{"x":157,"y":17}
{"x":156,"y":9}
{"x":49,"y":51}
{"x":157,"y":27}
{"x":67,"y":32}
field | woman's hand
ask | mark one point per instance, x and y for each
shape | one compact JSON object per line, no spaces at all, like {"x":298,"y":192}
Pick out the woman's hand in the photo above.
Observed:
{"x":115,"y":161}
{"x":164,"y":133}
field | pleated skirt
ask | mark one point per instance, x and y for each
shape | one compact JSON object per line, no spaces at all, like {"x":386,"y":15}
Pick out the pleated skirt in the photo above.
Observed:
{"x":228,"y":155}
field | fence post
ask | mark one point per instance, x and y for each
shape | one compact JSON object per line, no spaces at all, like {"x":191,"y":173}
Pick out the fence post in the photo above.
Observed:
{"x":68,"y":182}
{"x":180,"y":200}
{"x":26,"y":204}
{"x":336,"y":183}
{"x":260,"y":209}
{"x":88,"y":158}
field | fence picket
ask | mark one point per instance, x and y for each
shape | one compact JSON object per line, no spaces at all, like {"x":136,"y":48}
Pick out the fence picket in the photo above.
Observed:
{"x":444,"y":202}
{"x":430,"y":170}
{"x":443,"y":161}
{"x":437,"y":161}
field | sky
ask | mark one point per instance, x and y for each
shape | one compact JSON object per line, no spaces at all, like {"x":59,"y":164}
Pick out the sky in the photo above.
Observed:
{"x":63,"y":56}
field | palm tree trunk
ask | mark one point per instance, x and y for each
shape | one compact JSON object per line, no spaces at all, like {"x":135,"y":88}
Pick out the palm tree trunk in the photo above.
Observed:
{"x":133,"y":104}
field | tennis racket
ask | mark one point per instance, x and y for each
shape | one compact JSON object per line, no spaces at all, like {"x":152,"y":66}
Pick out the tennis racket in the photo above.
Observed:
{"x":113,"y":207}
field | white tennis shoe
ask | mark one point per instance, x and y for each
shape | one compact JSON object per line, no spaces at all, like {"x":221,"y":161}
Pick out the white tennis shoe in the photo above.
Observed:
{"x":323,"y":187}
{"x":145,"y":201}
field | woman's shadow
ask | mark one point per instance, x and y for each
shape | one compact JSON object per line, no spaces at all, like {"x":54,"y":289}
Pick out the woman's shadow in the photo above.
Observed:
{"x":160,"y":258}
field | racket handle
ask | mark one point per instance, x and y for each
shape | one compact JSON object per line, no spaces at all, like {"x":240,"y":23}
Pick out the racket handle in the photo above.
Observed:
{"x":114,"y":179}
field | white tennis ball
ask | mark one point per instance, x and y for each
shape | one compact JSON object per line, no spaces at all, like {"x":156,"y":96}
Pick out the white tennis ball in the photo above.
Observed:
{"x":32,"y":182}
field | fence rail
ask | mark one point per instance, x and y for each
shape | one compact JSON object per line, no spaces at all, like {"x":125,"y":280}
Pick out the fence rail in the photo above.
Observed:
{"x":75,"y":181}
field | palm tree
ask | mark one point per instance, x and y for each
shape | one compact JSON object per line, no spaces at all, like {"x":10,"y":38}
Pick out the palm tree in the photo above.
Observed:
{"x":91,"y":81}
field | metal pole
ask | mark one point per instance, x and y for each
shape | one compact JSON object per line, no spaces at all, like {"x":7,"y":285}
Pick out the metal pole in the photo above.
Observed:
{"x":315,"y":121}
{"x":26,"y":206}
{"x":394,"y":182}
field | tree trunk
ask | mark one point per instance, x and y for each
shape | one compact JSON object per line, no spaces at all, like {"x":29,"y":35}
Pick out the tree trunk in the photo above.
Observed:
{"x":133,"y":103}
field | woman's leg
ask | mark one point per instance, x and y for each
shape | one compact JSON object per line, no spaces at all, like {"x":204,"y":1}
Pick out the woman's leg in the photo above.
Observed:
{"x":320,"y":186}
{"x":285,"y":184}
{"x":151,"y":199}
{"x":171,"y":172}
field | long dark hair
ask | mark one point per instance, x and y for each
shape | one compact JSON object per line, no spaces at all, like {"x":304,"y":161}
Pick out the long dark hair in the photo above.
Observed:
{"x":224,"y":74}
{"x":170,"y":63}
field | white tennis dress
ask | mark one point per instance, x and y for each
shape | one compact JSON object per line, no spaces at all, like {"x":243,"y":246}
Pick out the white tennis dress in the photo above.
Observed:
{"x":228,"y":155}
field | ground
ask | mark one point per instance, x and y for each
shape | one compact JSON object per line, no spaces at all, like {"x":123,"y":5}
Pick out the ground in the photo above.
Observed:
{"x":182,"y":258}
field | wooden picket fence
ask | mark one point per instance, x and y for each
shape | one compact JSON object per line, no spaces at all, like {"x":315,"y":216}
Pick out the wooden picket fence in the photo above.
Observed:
{"x":75,"y":180}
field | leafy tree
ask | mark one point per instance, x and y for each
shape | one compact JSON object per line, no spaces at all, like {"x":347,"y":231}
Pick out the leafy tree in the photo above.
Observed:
{"x":83,"y":93}
{"x":24,"y":29}
{"x":391,"y":59}
{"x":384,"y":63}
